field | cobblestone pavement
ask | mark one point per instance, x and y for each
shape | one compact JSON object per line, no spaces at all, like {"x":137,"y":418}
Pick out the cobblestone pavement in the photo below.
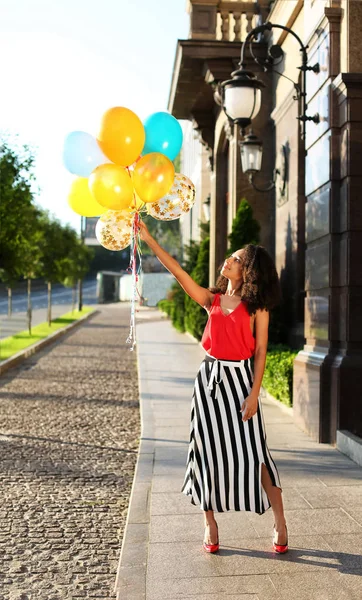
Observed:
{"x":69,"y":435}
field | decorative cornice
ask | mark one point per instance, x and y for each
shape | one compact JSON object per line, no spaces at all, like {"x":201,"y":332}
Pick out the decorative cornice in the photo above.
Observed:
{"x":347,"y":81}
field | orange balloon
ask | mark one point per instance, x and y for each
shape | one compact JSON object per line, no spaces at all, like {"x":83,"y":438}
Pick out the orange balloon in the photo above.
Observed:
{"x":111,"y":186}
{"x":153,"y":176}
{"x":121,"y":135}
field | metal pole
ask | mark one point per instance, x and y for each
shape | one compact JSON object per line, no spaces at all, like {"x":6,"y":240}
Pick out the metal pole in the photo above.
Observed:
{"x":29,"y":309}
{"x":80,"y":281}
{"x":304,"y":68}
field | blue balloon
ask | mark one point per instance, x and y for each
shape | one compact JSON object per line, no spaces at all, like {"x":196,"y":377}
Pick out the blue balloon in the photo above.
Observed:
{"x":163,"y":134}
{"x":82,"y":154}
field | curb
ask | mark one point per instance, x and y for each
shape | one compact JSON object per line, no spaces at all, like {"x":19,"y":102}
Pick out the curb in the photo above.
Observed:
{"x":283,"y":407}
{"x":21,"y":356}
{"x":130,"y":583}
{"x":350,"y":445}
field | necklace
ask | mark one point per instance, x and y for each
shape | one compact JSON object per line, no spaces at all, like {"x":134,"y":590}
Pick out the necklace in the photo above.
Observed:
{"x":237,"y":293}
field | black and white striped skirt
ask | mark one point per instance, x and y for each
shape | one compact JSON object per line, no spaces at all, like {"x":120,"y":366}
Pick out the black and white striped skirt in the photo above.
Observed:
{"x":225,"y":455}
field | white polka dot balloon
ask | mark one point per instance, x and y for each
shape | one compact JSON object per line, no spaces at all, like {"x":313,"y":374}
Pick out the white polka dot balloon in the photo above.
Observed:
{"x":114,"y":229}
{"x":179,"y":200}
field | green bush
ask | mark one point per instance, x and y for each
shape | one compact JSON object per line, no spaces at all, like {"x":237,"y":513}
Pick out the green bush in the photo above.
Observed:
{"x":175,"y":304}
{"x":245,"y":229}
{"x":165,"y":306}
{"x":278,"y":374}
{"x":177,"y":298}
{"x":174,"y":307}
{"x":195,"y":315}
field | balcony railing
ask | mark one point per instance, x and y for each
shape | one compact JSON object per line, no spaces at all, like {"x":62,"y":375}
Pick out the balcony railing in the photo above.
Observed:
{"x":225,"y":20}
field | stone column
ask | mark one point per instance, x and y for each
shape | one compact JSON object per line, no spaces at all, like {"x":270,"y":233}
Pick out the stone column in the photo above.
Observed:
{"x":346,"y":252}
{"x":234,"y":159}
{"x":328,"y":372}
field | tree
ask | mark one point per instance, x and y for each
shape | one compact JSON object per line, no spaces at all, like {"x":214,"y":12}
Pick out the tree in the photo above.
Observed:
{"x":31,"y":257}
{"x":32,"y":242}
{"x":74,"y":267}
{"x":245,"y":229}
{"x":61,"y":248}
{"x":17,"y":213}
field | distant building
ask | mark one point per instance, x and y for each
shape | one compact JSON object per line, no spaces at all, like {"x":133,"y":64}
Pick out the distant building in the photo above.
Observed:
{"x":89,"y":231}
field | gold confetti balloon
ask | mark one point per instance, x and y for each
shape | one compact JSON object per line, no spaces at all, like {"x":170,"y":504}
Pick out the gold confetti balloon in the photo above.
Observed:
{"x":179,"y":200}
{"x":114,"y":229}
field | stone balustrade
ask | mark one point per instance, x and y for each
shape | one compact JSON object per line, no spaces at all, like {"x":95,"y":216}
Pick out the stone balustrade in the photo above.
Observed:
{"x":225,"y":20}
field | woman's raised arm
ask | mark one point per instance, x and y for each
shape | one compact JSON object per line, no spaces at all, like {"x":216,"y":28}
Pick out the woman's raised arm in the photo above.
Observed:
{"x":201,"y":295}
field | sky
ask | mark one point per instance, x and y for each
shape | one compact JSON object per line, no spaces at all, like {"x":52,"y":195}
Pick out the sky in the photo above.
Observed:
{"x":65,"y":62}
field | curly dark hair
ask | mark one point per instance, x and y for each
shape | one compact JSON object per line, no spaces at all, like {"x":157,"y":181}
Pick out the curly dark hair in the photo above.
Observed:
{"x":260,"y":287}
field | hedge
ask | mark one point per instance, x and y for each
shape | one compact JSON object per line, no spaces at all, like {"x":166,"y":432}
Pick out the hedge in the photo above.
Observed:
{"x":174,"y":307}
{"x":195,"y":315}
{"x":278,"y":374}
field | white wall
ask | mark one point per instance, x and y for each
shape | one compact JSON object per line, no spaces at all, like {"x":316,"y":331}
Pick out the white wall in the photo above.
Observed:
{"x":194,"y":166}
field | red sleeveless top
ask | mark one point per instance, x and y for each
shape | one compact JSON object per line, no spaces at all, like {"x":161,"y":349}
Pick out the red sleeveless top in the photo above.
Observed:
{"x":229,"y":336}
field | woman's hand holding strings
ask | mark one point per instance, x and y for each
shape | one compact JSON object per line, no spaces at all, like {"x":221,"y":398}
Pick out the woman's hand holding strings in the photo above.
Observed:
{"x":249,"y":407}
{"x":144,"y":233}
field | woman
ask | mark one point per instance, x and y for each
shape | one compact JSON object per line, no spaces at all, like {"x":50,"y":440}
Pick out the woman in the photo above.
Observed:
{"x":229,"y":466}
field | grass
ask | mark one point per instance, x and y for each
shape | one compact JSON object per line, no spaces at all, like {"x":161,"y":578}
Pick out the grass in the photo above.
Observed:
{"x":14,"y":344}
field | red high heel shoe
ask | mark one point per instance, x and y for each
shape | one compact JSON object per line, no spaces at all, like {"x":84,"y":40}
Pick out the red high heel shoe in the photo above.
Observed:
{"x":212,"y":547}
{"x":280,"y":548}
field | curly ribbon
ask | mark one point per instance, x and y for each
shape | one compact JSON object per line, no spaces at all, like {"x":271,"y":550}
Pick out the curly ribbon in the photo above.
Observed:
{"x":135,"y":251}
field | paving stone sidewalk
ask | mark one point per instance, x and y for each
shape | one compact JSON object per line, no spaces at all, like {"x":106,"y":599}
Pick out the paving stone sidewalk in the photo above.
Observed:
{"x":162,"y":557}
{"x":69,"y":435}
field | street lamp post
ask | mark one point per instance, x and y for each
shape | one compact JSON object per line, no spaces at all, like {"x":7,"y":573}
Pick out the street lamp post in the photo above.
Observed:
{"x":242,"y":95}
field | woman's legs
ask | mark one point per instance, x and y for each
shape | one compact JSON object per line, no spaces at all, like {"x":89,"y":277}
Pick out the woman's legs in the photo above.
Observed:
{"x":211,"y":533}
{"x":275,"y":498}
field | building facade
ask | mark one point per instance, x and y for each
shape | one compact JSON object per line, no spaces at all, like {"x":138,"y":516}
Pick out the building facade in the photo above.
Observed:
{"x":311,"y":223}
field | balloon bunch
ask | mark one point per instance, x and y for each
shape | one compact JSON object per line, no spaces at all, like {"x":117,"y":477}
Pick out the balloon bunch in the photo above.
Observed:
{"x":126,"y":170}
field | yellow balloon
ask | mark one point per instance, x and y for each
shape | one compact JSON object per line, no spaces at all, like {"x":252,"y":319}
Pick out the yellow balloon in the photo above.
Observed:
{"x":81,"y":200}
{"x":121,"y":135}
{"x":111,"y":186}
{"x":153,"y":176}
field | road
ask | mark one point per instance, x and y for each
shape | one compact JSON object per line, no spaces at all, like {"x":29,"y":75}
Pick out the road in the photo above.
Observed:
{"x":61,"y":304}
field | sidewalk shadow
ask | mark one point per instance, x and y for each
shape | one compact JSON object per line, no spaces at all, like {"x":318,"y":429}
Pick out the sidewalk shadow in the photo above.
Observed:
{"x":179,"y":380}
{"x":348,"y":562}
{"x":153,"y":439}
{"x":23,"y":396}
{"x":16,"y":436}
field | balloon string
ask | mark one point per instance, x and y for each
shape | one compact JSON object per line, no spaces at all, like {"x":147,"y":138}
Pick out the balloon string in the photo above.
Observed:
{"x":135,"y":277}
